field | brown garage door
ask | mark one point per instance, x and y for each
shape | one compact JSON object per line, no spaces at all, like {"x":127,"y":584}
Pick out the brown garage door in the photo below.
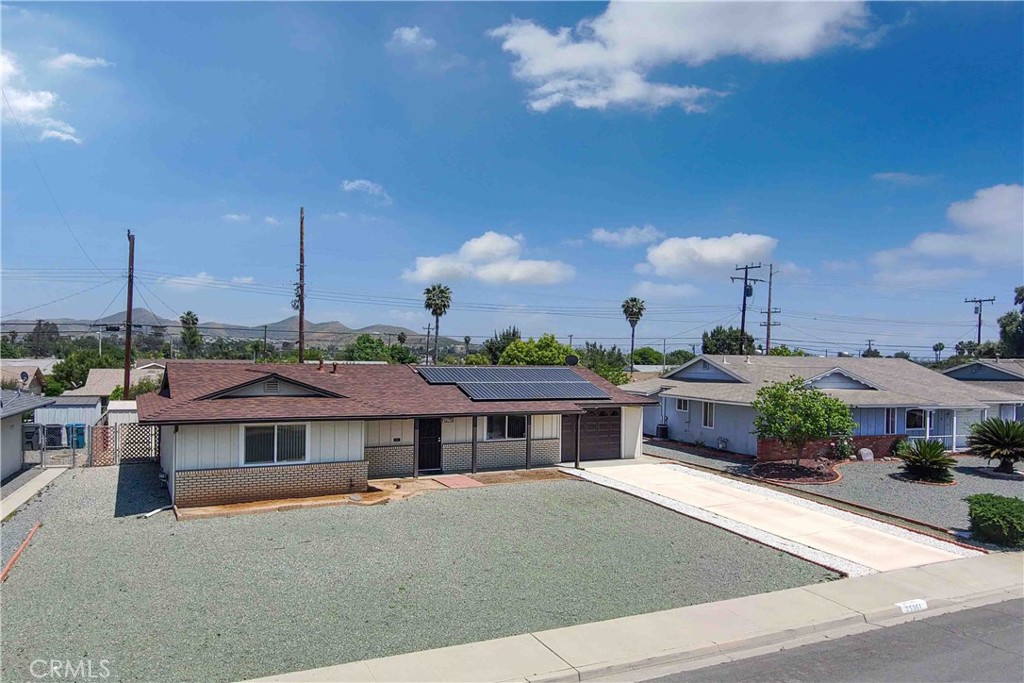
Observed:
{"x":600,"y":434}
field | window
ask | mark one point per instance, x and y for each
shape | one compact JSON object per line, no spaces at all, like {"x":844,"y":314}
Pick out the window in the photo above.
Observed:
{"x":683,"y":405}
{"x":708,"y":418}
{"x":915,"y":419}
{"x":890,"y":420}
{"x":506,"y":427}
{"x":270,"y":444}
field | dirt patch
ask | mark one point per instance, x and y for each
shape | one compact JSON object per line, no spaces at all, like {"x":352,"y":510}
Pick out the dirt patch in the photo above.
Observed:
{"x":821,"y":472}
{"x":518,"y":476}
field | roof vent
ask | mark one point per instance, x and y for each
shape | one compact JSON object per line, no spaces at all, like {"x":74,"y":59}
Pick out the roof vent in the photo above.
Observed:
{"x":271,"y":386}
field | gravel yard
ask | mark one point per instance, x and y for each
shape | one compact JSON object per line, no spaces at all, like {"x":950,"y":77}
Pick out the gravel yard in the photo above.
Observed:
{"x":234,"y":598}
{"x":870,"y":484}
{"x":737,"y":464}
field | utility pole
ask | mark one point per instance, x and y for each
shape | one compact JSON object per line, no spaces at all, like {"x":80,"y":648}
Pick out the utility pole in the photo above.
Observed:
{"x":870,"y":342}
{"x":769,"y":325}
{"x":570,"y":341}
{"x":127,"y":386}
{"x":302,"y":284}
{"x":664,"y":353}
{"x":428,"y":328}
{"x":264,"y":342}
{"x":748,"y":291}
{"x":978,"y":303}
{"x":39,"y":338}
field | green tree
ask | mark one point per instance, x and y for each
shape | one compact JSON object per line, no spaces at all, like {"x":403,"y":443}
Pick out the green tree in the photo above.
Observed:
{"x":905,"y":355}
{"x":783,"y":350}
{"x":53,"y":387}
{"x":191,"y":339}
{"x":145,"y":385}
{"x":366,"y":347}
{"x":399,"y":355}
{"x":871,"y":353}
{"x":727,"y":341}
{"x":607,"y":363}
{"x":478,"y":359}
{"x":678,"y":357}
{"x":401,"y":338}
{"x":1011,"y":334}
{"x":437,"y":298}
{"x":544,"y":351}
{"x":44,"y":339}
{"x":9,"y":349}
{"x":645,"y":355}
{"x":633,"y":308}
{"x":796,"y":414}
{"x":937,"y":348}
{"x":496,"y":345}
{"x":466,"y":340}
{"x":72,"y":371}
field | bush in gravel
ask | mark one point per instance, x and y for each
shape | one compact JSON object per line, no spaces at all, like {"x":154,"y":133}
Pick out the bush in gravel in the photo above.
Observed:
{"x":997,"y":519}
{"x":899,"y":448}
{"x":1000,"y":440}
{"x":927,"y":461}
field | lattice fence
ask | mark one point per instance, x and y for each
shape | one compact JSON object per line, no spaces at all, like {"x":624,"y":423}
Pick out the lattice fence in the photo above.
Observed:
{"x":123,"y":443}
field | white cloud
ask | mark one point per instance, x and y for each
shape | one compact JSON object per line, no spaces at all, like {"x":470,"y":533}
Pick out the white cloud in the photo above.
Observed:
{"x":188,"y":283}
{"x":627,"y":237}
{"x":271,"y":220}
{"x":492,"y":258}
{"x":682,"y":256}
{"x":902,"y":179}
{"x":659,"y":290}
{"x":410,"y":39}
{"x":32,"y":109}
{"x":69,"y":60}
{"x":604,"y":61}
{"x":839,"y":265}
{"x":243,"y":280}
{"x":367,"y":187}
{"x":988,"y":232}
{"x":235,"y":217}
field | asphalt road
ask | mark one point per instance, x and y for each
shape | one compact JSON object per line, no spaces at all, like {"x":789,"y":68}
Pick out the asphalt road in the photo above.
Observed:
{"x":985,"y":644}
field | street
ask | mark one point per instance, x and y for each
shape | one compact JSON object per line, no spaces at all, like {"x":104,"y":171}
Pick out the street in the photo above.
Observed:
{"x":981,"y":644}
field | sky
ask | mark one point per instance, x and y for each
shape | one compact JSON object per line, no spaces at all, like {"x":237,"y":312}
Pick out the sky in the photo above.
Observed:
{"x":544,"y":160}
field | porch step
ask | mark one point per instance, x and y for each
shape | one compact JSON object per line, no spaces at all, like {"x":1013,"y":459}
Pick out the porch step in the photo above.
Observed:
{"x":456,"y":481}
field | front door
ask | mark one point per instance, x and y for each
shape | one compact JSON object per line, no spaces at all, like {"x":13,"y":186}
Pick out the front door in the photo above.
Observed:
{"x":569,"y":423}
{"x":430,"y":445}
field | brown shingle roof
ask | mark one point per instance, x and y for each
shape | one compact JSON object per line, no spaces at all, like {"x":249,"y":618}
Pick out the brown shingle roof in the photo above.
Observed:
{"x":364,"y":391}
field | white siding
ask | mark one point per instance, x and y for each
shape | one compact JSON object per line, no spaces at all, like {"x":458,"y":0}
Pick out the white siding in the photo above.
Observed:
{"x":389,"y":433}
{"x":460,"y":429}
{"x":120,"y":417}
{"x":11,"y":456}
{"x":201,"y":447}
{"x":546,"y":427}
{"x":632,"y":431}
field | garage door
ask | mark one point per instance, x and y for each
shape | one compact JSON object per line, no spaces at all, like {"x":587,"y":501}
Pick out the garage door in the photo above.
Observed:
{"x":601,"y":434}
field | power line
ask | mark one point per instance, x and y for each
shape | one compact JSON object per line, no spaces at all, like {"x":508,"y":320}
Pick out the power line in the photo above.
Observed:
{"x":63,"y":298}
{"x":39,"y":169}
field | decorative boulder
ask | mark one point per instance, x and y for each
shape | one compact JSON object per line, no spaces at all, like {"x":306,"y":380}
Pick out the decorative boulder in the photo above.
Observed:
{"x":865,"y":454}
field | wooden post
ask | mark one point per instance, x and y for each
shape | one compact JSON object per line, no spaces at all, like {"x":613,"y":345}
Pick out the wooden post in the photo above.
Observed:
{"x":529,"y":421}
{"x":126,"y":387}
{"x":579,"y":421}
{"x":473,"y":450}
{"x":416,"y":449}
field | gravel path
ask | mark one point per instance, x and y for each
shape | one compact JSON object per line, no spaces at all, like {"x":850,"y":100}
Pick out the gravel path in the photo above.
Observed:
{"x":720,"y":464}
{"x":240,"y":597}
{"x":16,"y":481}
{"x":870,"y":483}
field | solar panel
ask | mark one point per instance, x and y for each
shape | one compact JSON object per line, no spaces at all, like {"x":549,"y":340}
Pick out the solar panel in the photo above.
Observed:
{"x":436,"y":374}
{"x":530,"y":391}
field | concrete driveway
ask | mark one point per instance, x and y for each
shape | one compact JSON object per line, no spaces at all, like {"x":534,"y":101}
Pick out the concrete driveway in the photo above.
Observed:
{"x":827,"y":534}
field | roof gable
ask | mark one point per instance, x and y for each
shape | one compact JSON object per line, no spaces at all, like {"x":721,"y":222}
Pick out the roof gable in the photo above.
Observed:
{"x":271,"y":384}
{"x":986,"y":371}
{"x":837,"y":378}
{"x":705,"y":369}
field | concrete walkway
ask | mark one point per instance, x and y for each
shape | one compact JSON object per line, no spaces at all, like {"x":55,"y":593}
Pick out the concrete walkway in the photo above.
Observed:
{"x":841,"y":540}
{"x":712,"y":632}
{"x":23,"y":494}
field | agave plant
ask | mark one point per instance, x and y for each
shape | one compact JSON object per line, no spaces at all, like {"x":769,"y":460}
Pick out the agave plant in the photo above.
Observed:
{"x":997,"y":439}
{"x":927,"y":461}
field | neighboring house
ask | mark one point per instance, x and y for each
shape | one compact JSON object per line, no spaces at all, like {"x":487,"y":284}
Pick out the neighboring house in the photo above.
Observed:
{"x":29,"y":378}
{"x":102,"y":381}
{"x":122,"y":412}
{"x":642,"y":372}
{"x":1005,"y":375}
{"x":234,"y":433}
{"x":709,"y":400}
{"x":45,"y":365}
{"x":65,"y":410}
{"x":14,"y":404}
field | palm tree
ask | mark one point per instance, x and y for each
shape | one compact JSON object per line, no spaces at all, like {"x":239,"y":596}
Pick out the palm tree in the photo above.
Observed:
{"x":437,"y":299}
{"x":401,"y":338}
{"x":938,"y":350}
{"x":633,"y":309}
{"x":467,"y":339}
{"x":997,"y":439}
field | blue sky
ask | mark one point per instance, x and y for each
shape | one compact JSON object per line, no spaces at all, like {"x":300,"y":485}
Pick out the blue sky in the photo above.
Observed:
{"x":543,"y":160}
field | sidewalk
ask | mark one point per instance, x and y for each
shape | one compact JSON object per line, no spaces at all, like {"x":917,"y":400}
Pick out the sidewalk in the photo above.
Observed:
{"x":847,"y":542}
{"x":23,"y":494}
{"x":618,"y":646}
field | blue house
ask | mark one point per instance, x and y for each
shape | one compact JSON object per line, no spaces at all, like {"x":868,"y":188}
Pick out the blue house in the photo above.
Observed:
{"x":708,"y":400}
{"x":1005,"y":375}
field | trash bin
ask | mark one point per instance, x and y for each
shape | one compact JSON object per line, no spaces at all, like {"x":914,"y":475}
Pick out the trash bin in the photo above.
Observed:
{"x":76,"y":434}
{"x":31,"y":436}
{"x":661,"y":431}
{"x":53,"y":436}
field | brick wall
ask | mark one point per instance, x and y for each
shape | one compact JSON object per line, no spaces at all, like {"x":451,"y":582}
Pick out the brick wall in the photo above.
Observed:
{"x":501,"y":455}
{"x":457,"y":457}
{"x":389,"y":461}
{"x":245,"y":484}
{"x":545,"y":452}
{"x":881,"y":445}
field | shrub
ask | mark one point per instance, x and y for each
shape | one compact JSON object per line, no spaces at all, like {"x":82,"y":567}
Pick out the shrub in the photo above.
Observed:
{"x":842,"y":448}
{"x":927,"y":461}
{"x":899,"y":448}
{"x":997,"y":519}
{"x":1000,"y":440}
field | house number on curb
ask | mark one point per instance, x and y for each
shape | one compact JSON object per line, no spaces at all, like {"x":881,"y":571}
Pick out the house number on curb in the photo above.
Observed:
{"x":909,"y":606}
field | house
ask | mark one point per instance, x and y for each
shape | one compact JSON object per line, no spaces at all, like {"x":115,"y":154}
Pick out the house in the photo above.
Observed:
{"x":28,"y":379}
{"x":65,"y":410}
{"x":1005,"y":375}
{"x":13,"y":405}
{"x":708,"y":400}
{"x":232,"y":432}
{"x":101,"y":382}
{"x":45,"y":365}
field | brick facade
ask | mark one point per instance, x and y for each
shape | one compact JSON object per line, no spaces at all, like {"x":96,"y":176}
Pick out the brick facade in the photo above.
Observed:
{"x":457,"y":457}
{"x":545,"y":452}
{"x":390,"y":461}
{"x":245,"y":484}
{"x":881,"y":445}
